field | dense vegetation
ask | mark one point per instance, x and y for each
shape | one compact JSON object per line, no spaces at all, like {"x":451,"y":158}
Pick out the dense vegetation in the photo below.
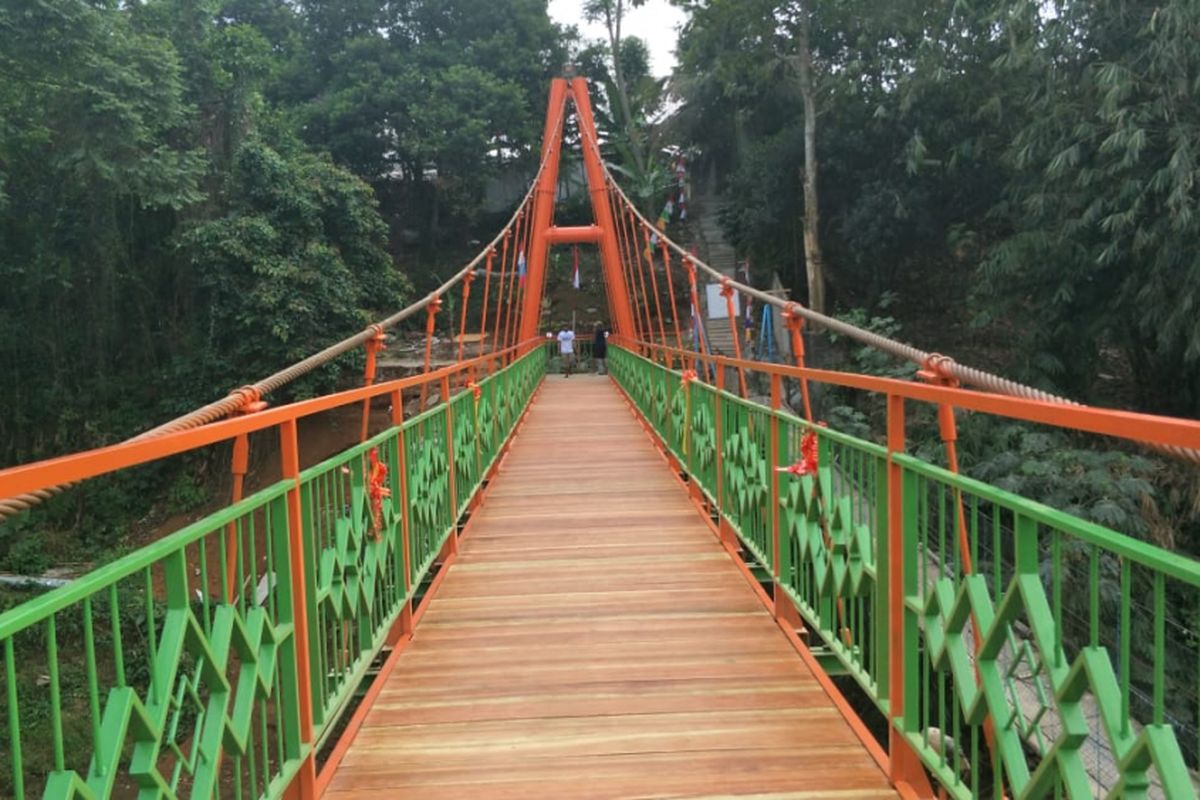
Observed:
{"x":1012,"y":183}
{"x":194,"y":193}
{"x":1039,"y":154}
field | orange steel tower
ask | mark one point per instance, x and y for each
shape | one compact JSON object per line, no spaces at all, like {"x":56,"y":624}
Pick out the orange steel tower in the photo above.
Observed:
{"x":545,"y":233}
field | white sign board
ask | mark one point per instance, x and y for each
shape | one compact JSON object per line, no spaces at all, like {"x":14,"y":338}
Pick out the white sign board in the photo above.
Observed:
{"x":717,"y":309}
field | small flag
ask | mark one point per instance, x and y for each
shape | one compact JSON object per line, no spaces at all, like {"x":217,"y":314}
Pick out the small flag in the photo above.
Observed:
{"x":521,"y":267}
{"x":575,"y":276}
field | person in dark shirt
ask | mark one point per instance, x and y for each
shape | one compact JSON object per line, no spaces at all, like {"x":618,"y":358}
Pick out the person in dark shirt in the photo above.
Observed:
{"x":600,"y":349}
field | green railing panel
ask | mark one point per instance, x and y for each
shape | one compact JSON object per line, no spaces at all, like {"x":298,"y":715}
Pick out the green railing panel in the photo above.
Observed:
{"x":427,"y":461}
{"x":353,"y":567}
{"x":831,"y":524}
{"x":468,"y":454}
{"x":1044,"y":656}
{"x":171,"y":670}
{"x":746,"y":474}
{"x":1079,"y":642}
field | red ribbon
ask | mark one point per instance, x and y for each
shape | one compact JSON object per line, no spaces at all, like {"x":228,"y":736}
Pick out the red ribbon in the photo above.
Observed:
{"x":376,"y":490}
{"x":807,"y":465}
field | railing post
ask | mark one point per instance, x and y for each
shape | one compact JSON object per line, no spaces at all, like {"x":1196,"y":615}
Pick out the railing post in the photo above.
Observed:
{"x":453,"y":540}
{"x":728,"y":537}
{"x":784,"y":611}
{"x":404,"y":625}
{"x":900,"y":576}
{"x":305,"y":782}
{"x":372,"y":346}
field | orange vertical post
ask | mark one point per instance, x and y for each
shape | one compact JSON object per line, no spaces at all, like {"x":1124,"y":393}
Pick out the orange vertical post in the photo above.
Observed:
{"x":543,"y":211}
{"x":598,"y":189}
{"x":289,"y":450}
{"x":487,"y":288}
{"x":500,"y":290}
{"x":702,"y":345}
{"x":905,"y":767}
{"x":404,"y":625}
{"x":239,"y":467}
{"x":466,"y":300}
{"x":431,"y":311}
{"x":727,"y":291}
{"x":373,"y":346}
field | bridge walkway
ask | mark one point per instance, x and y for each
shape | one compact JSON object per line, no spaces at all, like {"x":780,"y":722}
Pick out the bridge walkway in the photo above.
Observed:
{"x":593,"y":639}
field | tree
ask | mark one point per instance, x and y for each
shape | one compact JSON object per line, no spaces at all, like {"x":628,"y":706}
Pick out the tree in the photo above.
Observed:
{"x":1100,"y":268}
{"x":295,"y":263}
{"x":612,"y":12}
{"x":749,"y":49}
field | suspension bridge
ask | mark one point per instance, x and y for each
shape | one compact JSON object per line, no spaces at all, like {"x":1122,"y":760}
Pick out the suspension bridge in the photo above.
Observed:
{"x":640,"y":585}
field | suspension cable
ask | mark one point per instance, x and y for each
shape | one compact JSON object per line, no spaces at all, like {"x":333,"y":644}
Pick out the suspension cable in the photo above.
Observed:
{"x":649,"y":254}
{"x":666,"y":257}
{"x":500,"y":290}
{"x":250,"y":394}
{"x":487,"y":287}
{"x":945,"y":365}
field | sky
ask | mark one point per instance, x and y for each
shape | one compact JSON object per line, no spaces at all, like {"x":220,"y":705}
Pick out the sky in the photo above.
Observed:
{"x":657,"y":22}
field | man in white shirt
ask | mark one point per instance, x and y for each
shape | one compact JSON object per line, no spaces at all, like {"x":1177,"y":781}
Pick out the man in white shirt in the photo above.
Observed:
{"x":566,"y":349}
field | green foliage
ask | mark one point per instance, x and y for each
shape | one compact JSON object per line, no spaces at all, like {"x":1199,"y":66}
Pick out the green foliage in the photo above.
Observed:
{"x":1109,"y":487}
{"x":295,"y":261}
{"x":1102,"y":198}
{"x":868,"y":360}
{"x":425,"y":99}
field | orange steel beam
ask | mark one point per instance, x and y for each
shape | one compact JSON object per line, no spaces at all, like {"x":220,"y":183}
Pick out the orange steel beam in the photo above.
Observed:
{"x":544,"y":233}
{"x":543,"y":210}
{"x":1128,"y":425}
{"x":574,"y":234}
{"x":103,"y":460}
{"x":598,"y":189}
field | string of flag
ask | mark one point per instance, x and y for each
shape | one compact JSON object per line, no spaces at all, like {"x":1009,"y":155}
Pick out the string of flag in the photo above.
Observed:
{"x":676,"y":201}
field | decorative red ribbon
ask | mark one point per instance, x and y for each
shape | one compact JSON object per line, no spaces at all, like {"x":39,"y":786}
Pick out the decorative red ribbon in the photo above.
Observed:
{"x":376,"y":490}
{"x":807,"y":465}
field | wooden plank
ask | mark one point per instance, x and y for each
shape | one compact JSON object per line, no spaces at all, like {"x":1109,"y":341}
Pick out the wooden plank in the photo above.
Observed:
{"x":594,"y":640}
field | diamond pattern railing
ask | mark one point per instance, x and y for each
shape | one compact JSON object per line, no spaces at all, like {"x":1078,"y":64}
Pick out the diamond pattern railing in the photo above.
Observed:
{"x":179,"y":669}
{"x":1064,"y":663}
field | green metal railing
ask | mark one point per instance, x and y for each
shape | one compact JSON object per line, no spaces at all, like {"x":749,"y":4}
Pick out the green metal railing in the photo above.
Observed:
{"x":176,"y":670}
{"x":1037,"y":655}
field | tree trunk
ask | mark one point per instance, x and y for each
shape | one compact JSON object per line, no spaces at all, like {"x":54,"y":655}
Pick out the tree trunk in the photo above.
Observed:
{"x":814,"y":261}
{"x":613,"y":12}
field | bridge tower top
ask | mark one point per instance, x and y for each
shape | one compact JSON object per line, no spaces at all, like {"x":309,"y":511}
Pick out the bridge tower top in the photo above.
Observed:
{"x":602,"y":232}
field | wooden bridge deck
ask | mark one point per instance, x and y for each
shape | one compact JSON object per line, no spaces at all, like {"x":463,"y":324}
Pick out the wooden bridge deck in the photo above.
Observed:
{"x":594,"y":640}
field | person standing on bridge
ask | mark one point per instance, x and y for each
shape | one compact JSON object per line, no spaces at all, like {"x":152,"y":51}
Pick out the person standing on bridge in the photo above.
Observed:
{"x":600,"y":349}
{"x":566,"y":349}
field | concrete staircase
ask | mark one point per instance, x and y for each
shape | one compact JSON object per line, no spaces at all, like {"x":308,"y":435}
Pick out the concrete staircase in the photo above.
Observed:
{"x":712,"y":248}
